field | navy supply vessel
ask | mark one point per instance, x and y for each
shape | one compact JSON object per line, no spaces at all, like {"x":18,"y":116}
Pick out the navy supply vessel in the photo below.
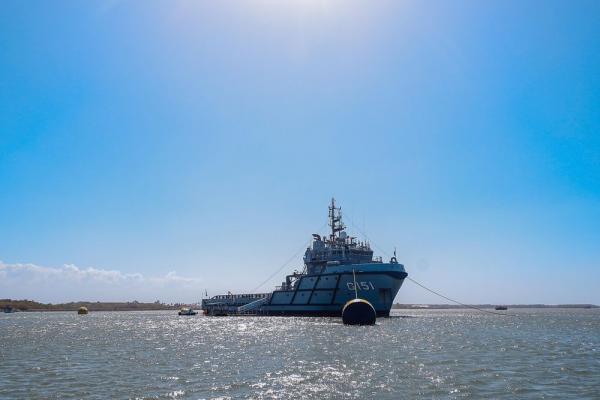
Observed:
{"x":337,"y":269}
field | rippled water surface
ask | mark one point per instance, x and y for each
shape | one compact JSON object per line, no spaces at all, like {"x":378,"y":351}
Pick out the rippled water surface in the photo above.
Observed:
{"x":418,"y":354}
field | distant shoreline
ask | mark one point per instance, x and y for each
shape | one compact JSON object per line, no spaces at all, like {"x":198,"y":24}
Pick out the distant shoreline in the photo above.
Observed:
{"x":33,"y":306}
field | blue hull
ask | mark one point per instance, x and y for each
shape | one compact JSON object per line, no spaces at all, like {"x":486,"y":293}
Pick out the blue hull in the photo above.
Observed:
{"x":325,"y":294}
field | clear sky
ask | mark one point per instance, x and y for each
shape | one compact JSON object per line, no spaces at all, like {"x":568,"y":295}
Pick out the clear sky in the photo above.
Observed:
{"x":152,"y":149}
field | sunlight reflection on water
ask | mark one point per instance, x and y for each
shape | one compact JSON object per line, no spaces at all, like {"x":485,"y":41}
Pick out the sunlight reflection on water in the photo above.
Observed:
{"x":436,"y":354}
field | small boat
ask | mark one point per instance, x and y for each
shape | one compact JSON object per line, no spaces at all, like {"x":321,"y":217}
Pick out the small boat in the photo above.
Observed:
{"x":187,"y":311}
{"x":9,"y":309}
{"x":82,"y":310}
{"x":501,"y":308}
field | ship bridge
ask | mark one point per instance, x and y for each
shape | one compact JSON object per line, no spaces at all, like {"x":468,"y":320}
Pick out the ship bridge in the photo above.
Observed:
{"x":338,"y":248}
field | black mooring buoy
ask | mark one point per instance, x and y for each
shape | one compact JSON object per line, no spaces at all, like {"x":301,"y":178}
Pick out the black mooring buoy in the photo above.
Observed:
{"x":358,"y":312}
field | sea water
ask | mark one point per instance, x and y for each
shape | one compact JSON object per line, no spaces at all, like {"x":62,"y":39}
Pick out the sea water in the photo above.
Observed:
{"x":533,"y":353}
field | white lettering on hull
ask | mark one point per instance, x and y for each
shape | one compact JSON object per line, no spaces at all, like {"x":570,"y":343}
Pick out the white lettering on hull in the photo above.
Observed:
{"x":364,"y":285}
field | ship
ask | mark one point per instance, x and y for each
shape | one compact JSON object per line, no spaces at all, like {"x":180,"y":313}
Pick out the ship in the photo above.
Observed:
{"x":337,"y":269}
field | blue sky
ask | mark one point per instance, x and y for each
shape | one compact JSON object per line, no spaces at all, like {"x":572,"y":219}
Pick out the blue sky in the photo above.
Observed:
{"x":151,"y":149}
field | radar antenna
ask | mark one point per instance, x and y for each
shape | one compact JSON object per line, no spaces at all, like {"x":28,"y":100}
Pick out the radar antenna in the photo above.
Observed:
{"x":335,"y":220}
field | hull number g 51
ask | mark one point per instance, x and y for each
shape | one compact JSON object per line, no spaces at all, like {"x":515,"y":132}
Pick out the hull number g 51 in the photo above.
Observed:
{"x":360,"y":285}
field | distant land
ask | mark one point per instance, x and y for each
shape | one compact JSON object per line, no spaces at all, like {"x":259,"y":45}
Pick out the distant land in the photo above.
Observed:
{"x":30,"y":305}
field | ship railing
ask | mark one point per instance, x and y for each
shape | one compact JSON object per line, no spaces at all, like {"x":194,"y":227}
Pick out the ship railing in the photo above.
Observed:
{"x":251,"y":306}
{"x":240,"y":296}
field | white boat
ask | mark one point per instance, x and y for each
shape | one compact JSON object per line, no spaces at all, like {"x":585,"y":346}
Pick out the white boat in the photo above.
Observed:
{"x":187,"y":311}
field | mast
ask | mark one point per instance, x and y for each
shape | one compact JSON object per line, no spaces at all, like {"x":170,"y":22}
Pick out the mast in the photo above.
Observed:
{"x":332,"y":218}
{"x":335,"y":220}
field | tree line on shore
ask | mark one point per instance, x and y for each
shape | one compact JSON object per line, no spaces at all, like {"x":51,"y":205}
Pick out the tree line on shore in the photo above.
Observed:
{"x":30,"y":305}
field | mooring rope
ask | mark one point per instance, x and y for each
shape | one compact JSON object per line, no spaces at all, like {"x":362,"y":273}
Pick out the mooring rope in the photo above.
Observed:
{"x":420,"y":284}
{"x":306,"y":244}
{"x":454,"y":301}
{"x":296,"y":254}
